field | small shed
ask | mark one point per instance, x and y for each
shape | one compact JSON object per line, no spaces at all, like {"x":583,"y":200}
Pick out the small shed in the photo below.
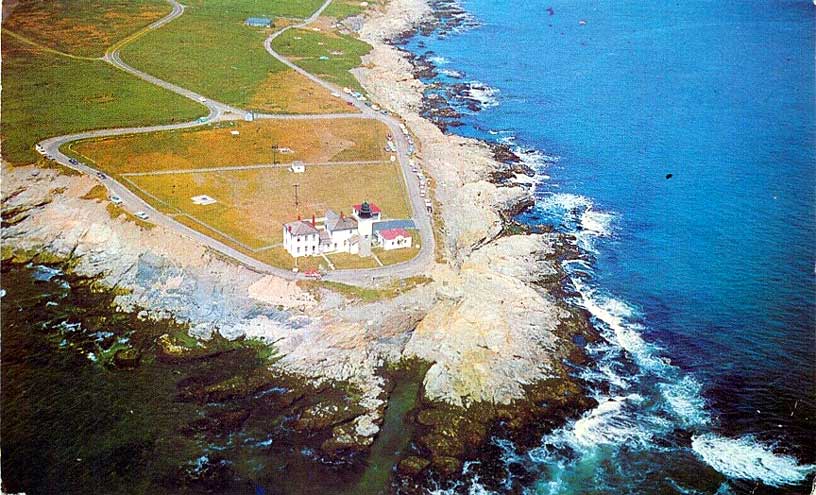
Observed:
{"x":297,"y":167}
{"x":258,"y":22}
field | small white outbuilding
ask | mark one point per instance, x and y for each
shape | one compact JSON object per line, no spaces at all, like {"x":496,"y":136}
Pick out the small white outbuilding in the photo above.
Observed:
{"x":297,"y":167}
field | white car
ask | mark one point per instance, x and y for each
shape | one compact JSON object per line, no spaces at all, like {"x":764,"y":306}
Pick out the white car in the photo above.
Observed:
{"x":142,"y":215}
{"x":115,"y":199}
{"x":202,"y":99}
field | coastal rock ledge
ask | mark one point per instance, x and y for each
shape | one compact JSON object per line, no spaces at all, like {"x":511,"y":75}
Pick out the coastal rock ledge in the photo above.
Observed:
{"x":487,"y":321}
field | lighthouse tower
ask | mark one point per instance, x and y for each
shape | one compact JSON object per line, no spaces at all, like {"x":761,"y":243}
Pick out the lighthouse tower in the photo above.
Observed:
{"x":366,"y":214}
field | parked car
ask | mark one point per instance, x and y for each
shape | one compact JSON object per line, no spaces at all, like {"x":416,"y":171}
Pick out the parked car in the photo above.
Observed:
{"x":101,"y":175}
{"x":72,"y":161}
{"x":313,"y":273}
{"x":115,"y":199}
{"x":142,"y":215}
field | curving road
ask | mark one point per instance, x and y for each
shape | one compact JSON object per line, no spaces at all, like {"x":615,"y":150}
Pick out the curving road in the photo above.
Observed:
{"x":221,"y":111}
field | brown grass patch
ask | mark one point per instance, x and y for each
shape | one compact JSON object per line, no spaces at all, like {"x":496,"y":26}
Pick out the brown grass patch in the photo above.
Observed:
{"x":346,"y":261}
{"x":253,"y":205}
{"x":289,"y":92}
{"x":81,"y":28}
{"x":116,"y":212}
{"x":311,"y":141}
{"x":354,"y":293}
{"x":97,"y":192}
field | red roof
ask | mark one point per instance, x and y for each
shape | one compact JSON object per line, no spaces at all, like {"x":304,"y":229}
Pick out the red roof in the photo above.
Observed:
{"x":391,"y":234}
{"x":374,"y":208}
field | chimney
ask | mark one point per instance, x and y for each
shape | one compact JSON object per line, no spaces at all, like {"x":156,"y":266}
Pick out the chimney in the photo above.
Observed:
{"x":314,"y":222}
{"x":299,"y":219}
{"x":342,"y":216}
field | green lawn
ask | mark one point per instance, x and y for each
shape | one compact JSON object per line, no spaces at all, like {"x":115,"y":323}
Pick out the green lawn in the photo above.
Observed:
{"x":47,"y":95}
{"x":341,"y":9}
{"x":210,"y":51}
{"x":81,"y":27}
{"x":305,"y":47}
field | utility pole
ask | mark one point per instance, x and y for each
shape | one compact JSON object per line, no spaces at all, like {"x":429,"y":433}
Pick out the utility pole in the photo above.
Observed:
{"x":297,"y":203}
{"x":274,"y":154}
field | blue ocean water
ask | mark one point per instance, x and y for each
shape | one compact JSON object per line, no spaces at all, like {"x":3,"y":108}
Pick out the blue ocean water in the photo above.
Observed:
{"x":703,"y":283}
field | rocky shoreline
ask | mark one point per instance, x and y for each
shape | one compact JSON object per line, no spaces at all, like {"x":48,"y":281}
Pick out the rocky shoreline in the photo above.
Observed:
{"x":490,"y":330}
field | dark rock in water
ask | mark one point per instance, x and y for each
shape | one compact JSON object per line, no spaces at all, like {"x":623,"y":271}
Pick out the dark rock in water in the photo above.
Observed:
{"x":412,"y":465}
{"x":325,"y":415}
{"x":669,"y":176}
{"x":218,"y":423}
{"x":126,"y":358}
{"x":446,"y":443}
{"x":215,"y":473}
{"x":446,"y":466}
{"x":504,"y":154}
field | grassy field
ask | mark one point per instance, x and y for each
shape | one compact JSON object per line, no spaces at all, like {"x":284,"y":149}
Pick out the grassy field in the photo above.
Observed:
{"x":340,"y":54}
{"x":341,"y":9}
{"x":367,"y":294}
{"x":309,"y":140}
{"x":211,"y":51}
{"x":47,"y":95}
{"x":81,"y":27}
{"x":287,"y":91}
{"x":253,"y":205}
{"x":346,"y":261}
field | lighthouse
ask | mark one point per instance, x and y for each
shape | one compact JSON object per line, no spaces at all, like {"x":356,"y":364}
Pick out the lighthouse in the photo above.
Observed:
{"x":366,"y":215}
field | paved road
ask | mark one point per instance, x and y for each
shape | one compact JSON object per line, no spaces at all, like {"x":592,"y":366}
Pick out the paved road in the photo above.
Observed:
{"x":419,"y":212}
{"x":221,"y":111}
{"x":260,"y":166}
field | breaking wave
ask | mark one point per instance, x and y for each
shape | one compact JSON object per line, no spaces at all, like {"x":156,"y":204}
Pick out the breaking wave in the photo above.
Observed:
{"x":483,"y":94}
{"x":577,"y":214}
{"x":642,"y":398}
{"x":746,"y":458}
{"x":455,"y":74}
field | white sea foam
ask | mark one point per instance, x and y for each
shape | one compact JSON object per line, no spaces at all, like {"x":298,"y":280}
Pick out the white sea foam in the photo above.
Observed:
{"x":610,"y":423}
{"x":686,"y":401}
{"x":618,"y":319}
{"x":746,"y":458}
{"x":487,"y":96}
{"x":451,"y":73}
{"x":597,"y":222}
{"x":579,"y":211}
{"x":437,"y":60}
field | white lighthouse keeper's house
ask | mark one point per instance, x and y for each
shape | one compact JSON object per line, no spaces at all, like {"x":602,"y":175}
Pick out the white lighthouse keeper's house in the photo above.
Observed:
{"x":301,"y":238}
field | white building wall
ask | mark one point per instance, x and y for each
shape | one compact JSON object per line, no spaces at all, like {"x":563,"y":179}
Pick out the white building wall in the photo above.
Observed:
{"x":341,"y":241}
{"x":365,"y":226}
{"x":398,"y":243}
{"x":302,"y":245}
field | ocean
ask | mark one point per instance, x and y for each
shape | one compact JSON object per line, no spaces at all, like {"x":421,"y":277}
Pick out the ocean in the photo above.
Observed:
{"x":676,"y":141}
